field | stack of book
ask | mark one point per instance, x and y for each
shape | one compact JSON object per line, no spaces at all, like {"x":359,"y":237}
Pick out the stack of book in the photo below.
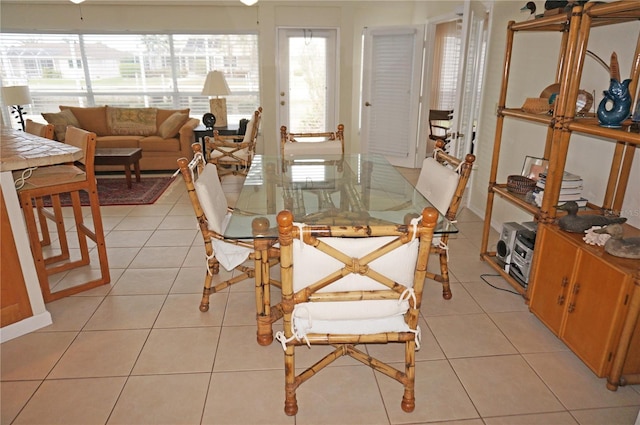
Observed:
{"x":570,"y":190}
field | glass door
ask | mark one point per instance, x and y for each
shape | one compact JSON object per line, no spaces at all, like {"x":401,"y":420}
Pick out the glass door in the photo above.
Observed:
{"x":307,"y":79}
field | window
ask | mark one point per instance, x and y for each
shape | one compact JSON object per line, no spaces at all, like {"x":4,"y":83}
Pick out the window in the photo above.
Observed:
{"x":130,"y":70}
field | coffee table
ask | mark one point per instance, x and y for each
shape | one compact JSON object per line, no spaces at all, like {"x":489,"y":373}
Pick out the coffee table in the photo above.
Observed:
{"x":120,"y":156}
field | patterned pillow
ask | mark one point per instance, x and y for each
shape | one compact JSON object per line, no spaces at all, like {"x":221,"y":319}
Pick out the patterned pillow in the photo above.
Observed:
{"x":132,"y":121}
{"x":171,"y":126}
{"x":61,"y":120}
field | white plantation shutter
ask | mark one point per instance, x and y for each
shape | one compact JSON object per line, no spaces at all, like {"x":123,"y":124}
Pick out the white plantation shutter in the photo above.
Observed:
{"x":392,"y":87}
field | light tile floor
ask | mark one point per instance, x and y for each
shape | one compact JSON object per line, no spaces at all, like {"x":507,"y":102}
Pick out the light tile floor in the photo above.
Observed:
{"x":138,"y":351}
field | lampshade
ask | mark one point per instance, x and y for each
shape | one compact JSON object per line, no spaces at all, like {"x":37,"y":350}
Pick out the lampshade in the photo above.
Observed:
{"x":249,"y":2}
{"x":215,"y":84}
{"x":16,"y":95}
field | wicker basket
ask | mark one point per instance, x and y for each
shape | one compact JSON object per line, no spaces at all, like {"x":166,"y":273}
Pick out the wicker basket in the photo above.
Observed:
{"x":520,"y":185}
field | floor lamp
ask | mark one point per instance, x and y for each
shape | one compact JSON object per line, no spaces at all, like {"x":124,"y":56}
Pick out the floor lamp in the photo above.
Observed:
{"x":15,"y":97}
{"x":216,"y":85}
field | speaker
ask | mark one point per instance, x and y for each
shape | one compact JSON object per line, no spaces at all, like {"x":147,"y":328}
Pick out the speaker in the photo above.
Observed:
{"x":506,"y":243}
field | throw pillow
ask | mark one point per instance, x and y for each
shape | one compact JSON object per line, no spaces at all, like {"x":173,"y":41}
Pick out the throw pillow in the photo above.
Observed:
{"x":171,"y":126}
{"x":60,"y":121}
{"x":132,"y":121}
{"x":93,"y":118}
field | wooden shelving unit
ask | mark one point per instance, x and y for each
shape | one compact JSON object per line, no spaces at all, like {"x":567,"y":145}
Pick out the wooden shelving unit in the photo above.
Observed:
{"x":621,"y":333}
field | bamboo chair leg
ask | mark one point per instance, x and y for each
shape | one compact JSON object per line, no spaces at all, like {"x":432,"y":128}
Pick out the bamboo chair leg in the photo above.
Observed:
{"x":444,"y":273}
{"x":409,"y":397}
{"x":290,"y":401}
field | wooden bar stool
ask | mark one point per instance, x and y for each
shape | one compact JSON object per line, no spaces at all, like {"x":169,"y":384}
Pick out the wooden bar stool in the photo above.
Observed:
{"x":53,"y":181}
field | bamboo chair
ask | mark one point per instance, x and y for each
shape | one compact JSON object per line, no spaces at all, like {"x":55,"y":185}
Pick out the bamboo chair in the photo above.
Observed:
{"x":233,"y":154}
{"x":349,"y":285}
{"x":213,"y":213}
{"x":53,"y":181}
{"x":442,"y":181}
{"x":324,"y":143}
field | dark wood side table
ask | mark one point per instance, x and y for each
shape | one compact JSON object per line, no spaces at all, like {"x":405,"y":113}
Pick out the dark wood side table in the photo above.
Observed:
{"x":120,"y":156}
{"x":200,"y":132}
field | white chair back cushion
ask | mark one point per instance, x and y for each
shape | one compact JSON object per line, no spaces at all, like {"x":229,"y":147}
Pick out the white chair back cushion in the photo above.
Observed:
{"x":331,"y":147}
{"x":249,"y":130}
{"x":311,"y":264}
{"x":438,"y":184}
{"x":211,"y":197}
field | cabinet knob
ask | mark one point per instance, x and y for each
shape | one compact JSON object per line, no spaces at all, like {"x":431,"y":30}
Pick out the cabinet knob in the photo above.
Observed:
{"x":565,"y":281}
{"x":576,"y":288}
{"x":571,"y":307}
{"x":560,"y":299}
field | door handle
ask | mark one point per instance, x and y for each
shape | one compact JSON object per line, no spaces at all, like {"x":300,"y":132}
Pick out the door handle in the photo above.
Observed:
{"x":367,"y":104}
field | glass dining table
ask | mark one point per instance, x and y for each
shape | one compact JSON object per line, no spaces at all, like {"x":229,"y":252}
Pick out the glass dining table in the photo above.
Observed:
{"x":348,"y":190}
{"x":343,"y":190}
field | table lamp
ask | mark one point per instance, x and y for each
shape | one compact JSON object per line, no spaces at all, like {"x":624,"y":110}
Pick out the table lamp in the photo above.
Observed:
{"x":16,"y":96}
{"x":216,"y":85}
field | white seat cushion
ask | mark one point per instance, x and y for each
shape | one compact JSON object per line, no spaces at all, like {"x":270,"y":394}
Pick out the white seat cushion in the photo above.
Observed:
{"x":437,"y":183}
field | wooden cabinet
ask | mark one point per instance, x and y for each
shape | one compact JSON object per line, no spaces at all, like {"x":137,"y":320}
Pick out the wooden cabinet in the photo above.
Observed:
{"x":584,"y":295}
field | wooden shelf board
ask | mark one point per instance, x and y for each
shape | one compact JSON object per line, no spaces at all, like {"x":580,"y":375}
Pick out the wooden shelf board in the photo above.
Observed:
{"x":492,"y":261}
{"x":519,"y":200}
{"x":519,"y":113}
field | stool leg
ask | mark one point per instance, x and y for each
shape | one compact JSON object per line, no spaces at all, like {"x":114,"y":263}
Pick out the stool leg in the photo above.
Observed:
{"x":34,"y":242}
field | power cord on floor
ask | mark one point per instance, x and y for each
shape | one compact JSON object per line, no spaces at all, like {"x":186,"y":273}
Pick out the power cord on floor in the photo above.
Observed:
{"x":482,"y":276}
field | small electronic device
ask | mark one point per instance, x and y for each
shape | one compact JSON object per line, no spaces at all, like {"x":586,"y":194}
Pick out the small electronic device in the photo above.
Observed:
{"x":505,"y":244}
{"x":522,"y":256}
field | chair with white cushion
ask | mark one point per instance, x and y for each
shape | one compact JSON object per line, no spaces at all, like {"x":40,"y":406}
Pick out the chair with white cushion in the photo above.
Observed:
{"x":349,"y":285}
{"x":443,"y":179}
{"x":213,"y":215}
{"x":233,"y":154}
{"x":319,"y":143}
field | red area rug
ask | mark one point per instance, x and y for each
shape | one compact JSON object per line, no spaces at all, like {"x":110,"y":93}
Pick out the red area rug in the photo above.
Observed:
{"x":114,"y":191}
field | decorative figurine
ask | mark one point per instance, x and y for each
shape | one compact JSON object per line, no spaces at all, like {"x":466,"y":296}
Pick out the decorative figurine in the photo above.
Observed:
{"x":620,"y":98}
{"x":574,"y":223}
{"x":618,"y":246}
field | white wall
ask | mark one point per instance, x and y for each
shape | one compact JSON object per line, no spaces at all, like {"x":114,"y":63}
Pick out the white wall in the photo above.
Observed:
{"x":588,"y":158}
{"x":533,"y":68}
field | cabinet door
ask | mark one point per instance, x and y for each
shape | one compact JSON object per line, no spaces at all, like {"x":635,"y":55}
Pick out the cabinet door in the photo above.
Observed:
{"x":552,"y":277}
{"x":594,"y":310}
{"x":14,"y":300}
